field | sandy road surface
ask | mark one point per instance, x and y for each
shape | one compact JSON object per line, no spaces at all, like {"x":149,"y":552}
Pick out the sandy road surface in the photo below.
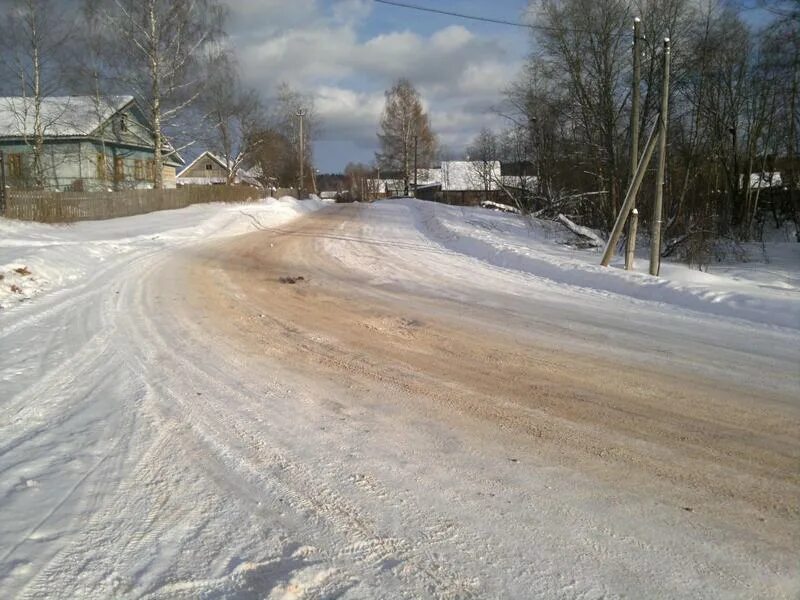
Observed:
{"x":404,"y":422}
{"x":710,"y":464}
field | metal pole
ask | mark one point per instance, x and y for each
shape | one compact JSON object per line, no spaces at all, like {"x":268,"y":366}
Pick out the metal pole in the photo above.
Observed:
{"x":631,"y":248}
{"x":619,"y":225}
{"x":301,"y":113}
{"x":655,"y":237}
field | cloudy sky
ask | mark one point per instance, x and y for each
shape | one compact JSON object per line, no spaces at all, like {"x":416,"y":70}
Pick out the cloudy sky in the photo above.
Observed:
{"x":348,"y":52}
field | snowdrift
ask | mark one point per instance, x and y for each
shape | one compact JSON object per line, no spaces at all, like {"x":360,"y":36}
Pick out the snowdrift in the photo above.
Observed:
{"x":547,"y":250}
{"x":56,"y":256}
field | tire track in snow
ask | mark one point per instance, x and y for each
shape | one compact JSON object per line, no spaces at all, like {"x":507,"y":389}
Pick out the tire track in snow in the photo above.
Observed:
{"x":216,"y":423}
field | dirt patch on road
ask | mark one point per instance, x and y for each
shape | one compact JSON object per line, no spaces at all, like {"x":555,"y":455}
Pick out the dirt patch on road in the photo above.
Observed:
{"x":706,"y":448}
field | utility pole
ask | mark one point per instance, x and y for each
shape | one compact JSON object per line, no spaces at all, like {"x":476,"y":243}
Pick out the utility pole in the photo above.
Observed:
{"x":301,"y":113}
{"x":655,"y":237}
{"x":619,"y":225}
{"x":637,"y":77}
{"x":2,"y":184}
{"x":416,"y":140}
{"x":633,"y":225}
{"x":536,"y":141}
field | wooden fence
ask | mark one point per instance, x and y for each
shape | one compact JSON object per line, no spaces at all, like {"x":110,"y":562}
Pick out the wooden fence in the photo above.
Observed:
{"x":65,"y":207}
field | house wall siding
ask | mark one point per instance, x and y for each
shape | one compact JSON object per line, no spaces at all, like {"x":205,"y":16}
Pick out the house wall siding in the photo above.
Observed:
{"x":73,"y":166}
{"x":200,"y":170}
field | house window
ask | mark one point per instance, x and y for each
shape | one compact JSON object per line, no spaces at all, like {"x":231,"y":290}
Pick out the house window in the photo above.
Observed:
{"x":138,"y":170}
{"x":15,"y":165}
{"x":119,"y":169}
{"x":101,"y":166}
{"x":209,"y":167}
{"x":123,"y":123}
{"x":151,"y":170}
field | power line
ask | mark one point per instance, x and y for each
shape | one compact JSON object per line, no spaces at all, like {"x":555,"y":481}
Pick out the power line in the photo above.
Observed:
{"x":454,"y":14}
{"x":459,"y":15}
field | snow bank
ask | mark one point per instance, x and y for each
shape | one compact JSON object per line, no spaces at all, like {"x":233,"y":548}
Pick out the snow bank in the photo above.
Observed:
{"x":36,"y":258}
{"x":545,"y":249}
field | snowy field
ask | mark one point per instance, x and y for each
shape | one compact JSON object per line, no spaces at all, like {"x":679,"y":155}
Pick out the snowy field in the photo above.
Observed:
{"x":448,"y":403}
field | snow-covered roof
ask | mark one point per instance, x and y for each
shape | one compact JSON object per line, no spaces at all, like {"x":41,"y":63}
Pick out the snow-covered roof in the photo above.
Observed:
{"x":392,"y":183}
{"x":204,"y":154}
{"x":764,"y":180}
{"x":242,"y":175}
{"x":429,"y":177}
{"x":61,"y":116}
{"x":466,"y":175}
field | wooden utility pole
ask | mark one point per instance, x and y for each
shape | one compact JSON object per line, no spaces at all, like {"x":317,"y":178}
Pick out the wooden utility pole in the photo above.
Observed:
{"x":2,"y":184}
{"x":655,"y":234}
{"x":637,"y":78}
{"x":301,"y":113}
{"x":619,"y":225}
{"x":633,"y":225}
{"x":416,"y":141}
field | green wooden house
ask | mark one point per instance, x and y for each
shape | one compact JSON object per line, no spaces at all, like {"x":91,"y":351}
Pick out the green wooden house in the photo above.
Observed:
{"x":90,"y":144}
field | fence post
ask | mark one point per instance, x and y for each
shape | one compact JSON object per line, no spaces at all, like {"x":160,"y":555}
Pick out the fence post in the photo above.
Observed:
{"x":2,"y":183}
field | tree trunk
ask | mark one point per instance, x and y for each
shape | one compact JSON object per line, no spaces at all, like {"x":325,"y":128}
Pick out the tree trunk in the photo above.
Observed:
{"x":155,"y":75}
{"x":38,"y":129}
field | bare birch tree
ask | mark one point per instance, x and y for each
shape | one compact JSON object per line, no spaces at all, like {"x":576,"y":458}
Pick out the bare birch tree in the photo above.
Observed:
{"x":33,"y":34}
{"x":157,"y":57}
{"x":483,"y":153}
{"x":404,"y":126}
{"x":234,"y":113}
{"x":582,"y":45}
{"x":283,"y":120}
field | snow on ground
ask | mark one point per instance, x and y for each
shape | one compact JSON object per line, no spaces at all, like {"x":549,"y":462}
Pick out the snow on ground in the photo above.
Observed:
{"x":759,"y":291}
{"x":142,"y":457}
{"x":456,"y":252}
{"x":36,"y":258}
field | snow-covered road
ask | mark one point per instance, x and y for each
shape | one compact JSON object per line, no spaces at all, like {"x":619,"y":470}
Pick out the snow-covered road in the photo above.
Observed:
{"x":428,"y":412}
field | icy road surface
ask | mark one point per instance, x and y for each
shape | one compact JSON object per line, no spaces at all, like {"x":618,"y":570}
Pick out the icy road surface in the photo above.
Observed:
{"x":397,"y":400}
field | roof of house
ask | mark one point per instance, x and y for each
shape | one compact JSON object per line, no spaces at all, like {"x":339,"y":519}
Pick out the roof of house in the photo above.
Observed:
{"x":469,"y":175}
{"x":429,"y":176}
{"x":68,"y":117}
{"x":244,"y":175}
{"x":61,"y":116}
{"x":764,"y":180}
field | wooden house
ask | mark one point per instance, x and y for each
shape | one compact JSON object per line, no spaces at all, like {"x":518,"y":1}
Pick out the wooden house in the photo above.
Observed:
{"x":210,"y":169}
{"x":89,"y":144}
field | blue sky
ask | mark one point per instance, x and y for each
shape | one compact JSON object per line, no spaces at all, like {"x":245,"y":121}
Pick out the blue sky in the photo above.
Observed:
{"x":348,"y":52}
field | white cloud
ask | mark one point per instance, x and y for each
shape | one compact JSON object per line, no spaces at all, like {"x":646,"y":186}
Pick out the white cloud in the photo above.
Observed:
{"x":329,"y":53}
